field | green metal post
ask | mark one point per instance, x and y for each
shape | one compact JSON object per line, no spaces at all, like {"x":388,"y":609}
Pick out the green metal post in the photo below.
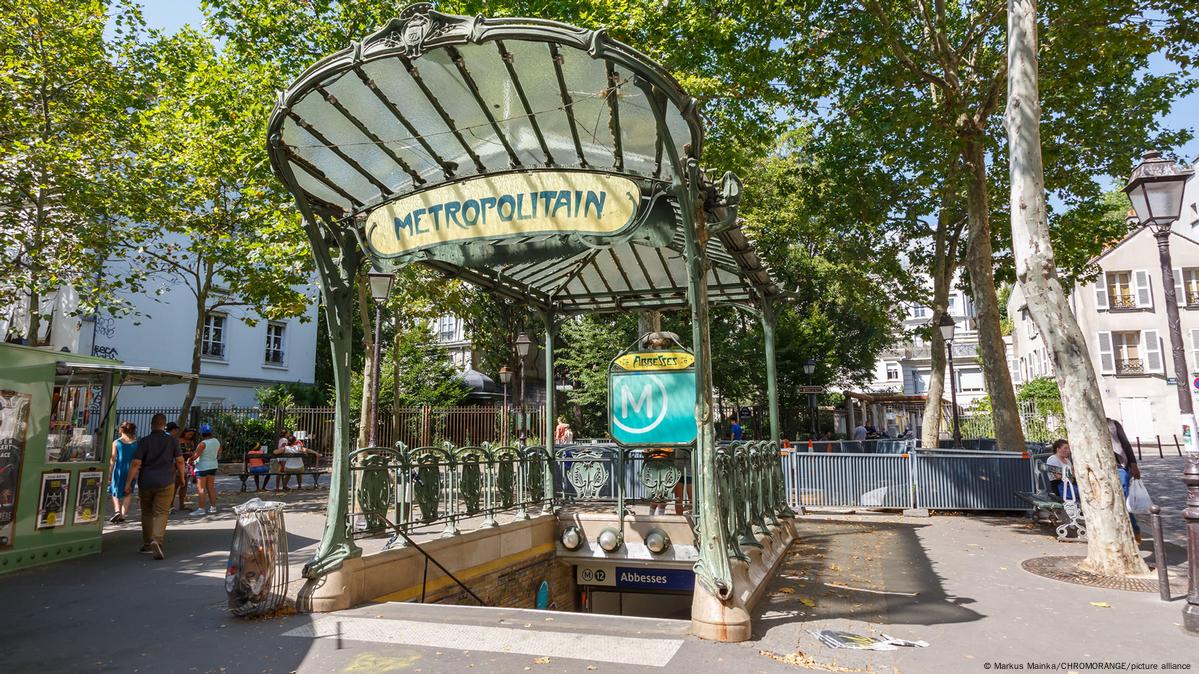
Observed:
{"x":337,"y":276}
{"x":547,"y":317}
{"x":772,"y":385}
{"x":712,"y":570}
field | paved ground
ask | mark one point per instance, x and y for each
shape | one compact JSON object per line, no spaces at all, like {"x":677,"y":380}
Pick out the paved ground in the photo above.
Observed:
{"x":954,"y":582}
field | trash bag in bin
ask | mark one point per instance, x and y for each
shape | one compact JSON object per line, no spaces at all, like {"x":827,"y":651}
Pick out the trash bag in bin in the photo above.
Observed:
{"x":256,"y":574}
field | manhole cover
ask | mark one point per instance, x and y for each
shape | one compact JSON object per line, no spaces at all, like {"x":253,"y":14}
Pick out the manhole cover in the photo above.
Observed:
{"x":1066,"y":569}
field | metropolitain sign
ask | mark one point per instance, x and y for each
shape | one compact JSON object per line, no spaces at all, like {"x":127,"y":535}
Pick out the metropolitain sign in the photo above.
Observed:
{"x":504,"y":205}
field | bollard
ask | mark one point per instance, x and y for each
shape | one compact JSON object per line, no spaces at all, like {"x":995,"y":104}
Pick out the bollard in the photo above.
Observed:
{"x":1159,"y":554}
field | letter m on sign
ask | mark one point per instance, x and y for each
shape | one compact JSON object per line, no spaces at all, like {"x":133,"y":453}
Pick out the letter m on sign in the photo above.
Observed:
{"x":646,"y":399}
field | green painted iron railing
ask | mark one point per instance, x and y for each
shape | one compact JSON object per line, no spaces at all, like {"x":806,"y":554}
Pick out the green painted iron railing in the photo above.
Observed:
{"x":425,"y":486}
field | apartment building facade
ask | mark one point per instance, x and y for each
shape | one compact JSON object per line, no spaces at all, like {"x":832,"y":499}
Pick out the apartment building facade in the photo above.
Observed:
{"x":1122,"y":315}
{"x":907,"y":368}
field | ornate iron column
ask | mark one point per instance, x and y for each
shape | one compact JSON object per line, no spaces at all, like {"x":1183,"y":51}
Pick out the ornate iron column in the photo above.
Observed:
{"x":551,"y":420}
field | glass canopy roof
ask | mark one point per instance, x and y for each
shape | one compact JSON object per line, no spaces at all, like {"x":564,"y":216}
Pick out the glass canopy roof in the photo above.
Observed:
{"x":433,"y":99}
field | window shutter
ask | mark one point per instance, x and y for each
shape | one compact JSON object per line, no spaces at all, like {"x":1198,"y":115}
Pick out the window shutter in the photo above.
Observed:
{"x":1195,"y":348}
{"x":1107,"y":360}
{"x":1141,"y":282}
{"x":1180,"y":295}
{"x":1101,"y":292}
{"x":1153,"y":351}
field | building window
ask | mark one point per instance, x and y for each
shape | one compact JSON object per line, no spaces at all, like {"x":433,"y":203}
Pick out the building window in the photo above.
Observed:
{"x":1124,"y":290}
{"x":892,"y":371}
{"x":919,"y":311}
{"x":971,"y":381}
{"x":274,"y":343}
{"x":1119,"y":290}
{"x":212,"y":343}
{"x":447,"y":329}
{"x":920,"y":382}
{"x":953,"y":305}
{"x":1128,"y":352}
{"x":1190,"y":288}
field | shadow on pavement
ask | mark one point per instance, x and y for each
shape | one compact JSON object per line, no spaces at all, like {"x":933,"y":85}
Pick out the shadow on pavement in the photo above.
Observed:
{"x":877,"y":572}
{"x":123,"y":611}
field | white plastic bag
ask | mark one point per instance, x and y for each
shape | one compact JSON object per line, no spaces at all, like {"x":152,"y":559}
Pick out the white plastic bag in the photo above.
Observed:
{"x":1138,"y":500}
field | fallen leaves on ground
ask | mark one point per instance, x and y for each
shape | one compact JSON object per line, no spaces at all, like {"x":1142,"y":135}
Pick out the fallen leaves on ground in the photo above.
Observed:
{"x":543,"y":660}
{"x":1101,"y":604}
{"x":807,"y":602}
{"x":787,"y":590}
{"x":801,"y":659}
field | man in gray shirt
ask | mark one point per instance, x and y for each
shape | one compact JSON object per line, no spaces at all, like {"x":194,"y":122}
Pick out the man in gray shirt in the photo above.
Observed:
{"x":156,"y":463}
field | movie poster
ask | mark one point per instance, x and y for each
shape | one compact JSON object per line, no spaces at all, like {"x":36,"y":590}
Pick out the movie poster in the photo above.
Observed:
{"x":14,"y":430}
{"x":52,"y":503}
{"x":87,"y":497}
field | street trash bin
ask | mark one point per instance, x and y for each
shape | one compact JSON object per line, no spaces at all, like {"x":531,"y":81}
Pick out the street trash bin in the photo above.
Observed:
{"x":256,"y":574}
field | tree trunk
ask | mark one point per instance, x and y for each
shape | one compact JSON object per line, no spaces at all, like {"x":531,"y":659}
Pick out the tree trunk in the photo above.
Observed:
{"x":368,"y":361}
{"x":190,"y":396}
{"x":979,"y":262}
{"x":945,"y":262}
{"x":649,"y":321}
{"x":1110,"y":546}
{"x":34,"y":324}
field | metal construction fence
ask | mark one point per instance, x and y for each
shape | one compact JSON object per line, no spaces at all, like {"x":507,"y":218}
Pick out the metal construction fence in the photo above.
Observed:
{"x":919,"y":478}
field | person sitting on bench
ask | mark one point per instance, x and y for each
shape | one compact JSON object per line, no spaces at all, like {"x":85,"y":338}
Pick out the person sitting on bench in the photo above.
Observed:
{"x":1061,"y":472}
{"x":293,"y":462}
{"x":256,"y":465}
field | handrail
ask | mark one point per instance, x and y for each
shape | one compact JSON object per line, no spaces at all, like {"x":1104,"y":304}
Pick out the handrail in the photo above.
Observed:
{"x":428,"y":558}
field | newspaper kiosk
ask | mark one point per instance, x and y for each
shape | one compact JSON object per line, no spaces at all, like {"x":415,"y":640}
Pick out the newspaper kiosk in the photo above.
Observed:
{"x":57,"y":422}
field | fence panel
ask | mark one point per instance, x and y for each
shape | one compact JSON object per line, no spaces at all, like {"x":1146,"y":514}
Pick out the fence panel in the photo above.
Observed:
{"x":958,"y":480}
{"x":847,"y":480}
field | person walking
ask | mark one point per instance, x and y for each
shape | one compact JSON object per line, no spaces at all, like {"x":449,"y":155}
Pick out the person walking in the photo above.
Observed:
{"x":155,"y":465}
{"x":735,"y":430}
{"x":1126,"y":464}
{"x":187,"y":446}
{"x":205,"y":460}
{"x":123,"y":449}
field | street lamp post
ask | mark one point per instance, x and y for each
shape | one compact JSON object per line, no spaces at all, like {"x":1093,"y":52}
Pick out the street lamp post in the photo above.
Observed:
{"x":380,"y":284}
{"x":1156,"y":190}
{"x":809,"y":367}
{"x":523,"y":346}
{"x":947,"y":326}
{"x":505,"y":379}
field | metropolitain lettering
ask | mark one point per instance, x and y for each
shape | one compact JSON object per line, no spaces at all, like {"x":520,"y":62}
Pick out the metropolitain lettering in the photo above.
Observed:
{"x":465,"y":214}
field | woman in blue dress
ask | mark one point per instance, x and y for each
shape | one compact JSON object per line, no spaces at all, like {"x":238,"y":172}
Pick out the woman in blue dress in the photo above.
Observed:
{"x":118,"y":469}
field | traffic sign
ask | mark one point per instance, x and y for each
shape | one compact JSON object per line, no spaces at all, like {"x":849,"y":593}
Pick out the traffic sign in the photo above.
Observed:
{"x":651,"y":399}
{"x":811,"y":389}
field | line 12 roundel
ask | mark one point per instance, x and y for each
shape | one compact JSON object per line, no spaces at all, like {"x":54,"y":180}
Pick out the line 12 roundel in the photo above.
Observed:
{"x":504,"y":205}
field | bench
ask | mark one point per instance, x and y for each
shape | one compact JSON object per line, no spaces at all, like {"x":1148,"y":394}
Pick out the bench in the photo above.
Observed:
{"x":1065,"y":516}
{"x":258,"y":454}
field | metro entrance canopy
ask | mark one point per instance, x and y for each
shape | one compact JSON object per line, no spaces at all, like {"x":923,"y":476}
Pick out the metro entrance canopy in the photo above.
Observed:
{"x":544,"y":162}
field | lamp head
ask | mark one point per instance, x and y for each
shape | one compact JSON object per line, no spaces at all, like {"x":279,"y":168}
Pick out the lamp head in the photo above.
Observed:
{"x":947,"y":326}
{"x":523,"y":345}
{"x":380,"y":283}
{"x":1156,"y":189}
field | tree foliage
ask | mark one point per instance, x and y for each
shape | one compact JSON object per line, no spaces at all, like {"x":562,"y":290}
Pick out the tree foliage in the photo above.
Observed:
{"x":203,"y":211}
{"x":65,"y":98}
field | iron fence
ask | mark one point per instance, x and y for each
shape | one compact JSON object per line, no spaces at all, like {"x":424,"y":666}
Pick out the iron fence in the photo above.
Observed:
{"x":442,"y":484}
{"x":239,"y":428}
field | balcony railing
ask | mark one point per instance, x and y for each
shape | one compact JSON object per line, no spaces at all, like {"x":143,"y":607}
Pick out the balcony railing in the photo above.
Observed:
{"x":1121,"y":301}
{"x":274,"y":357}
{"x":1192,"y":298}
{"x":1130,"y":366}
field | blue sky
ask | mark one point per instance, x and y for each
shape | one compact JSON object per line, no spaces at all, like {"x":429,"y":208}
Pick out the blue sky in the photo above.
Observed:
{"x":170,"y":15}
